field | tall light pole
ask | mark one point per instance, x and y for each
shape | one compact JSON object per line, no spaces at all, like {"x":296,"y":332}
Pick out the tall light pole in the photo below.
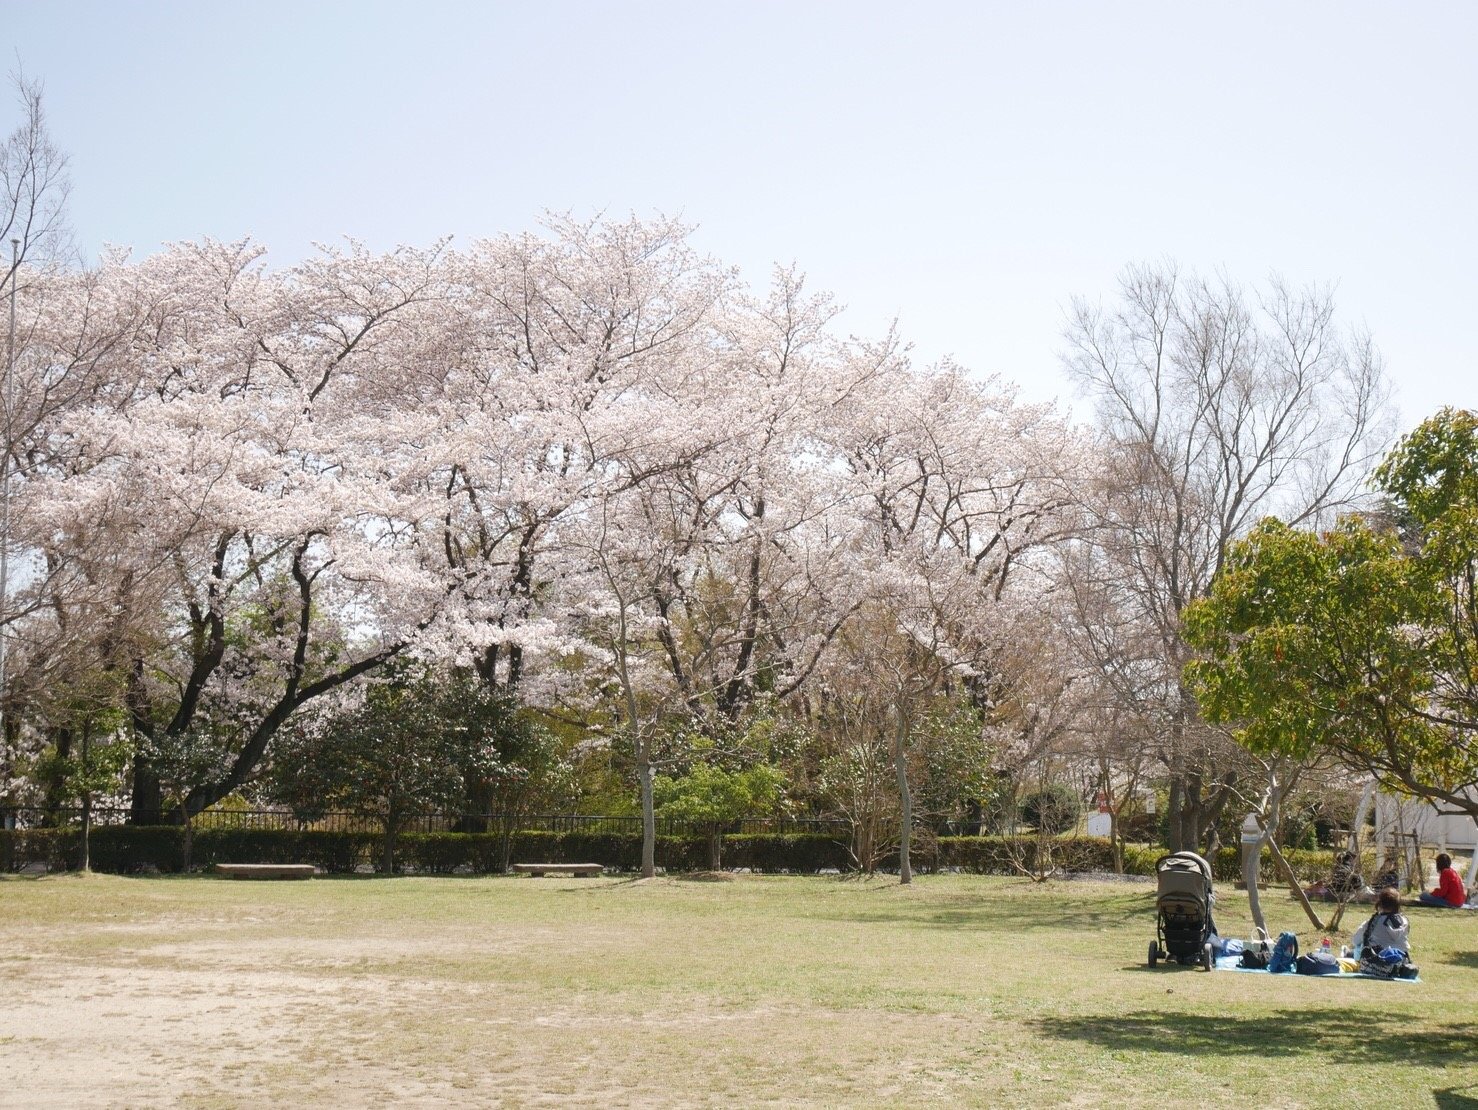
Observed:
{"x":15,"y":261}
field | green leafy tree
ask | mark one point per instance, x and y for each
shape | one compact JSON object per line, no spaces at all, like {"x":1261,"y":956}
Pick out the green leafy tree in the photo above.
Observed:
{"x":1361,"y":642}
{"x":393,"y":755}
{"x":713,"y":797}
{"x":514,"y":764}
{"x":182,"y":761}
{"x":95,"y":767}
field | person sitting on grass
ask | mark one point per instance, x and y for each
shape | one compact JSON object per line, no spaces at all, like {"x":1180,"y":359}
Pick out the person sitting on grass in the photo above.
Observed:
{"x":1346,"y":882}
{"x":1449,"y":894}
{"x":1386,"y":928}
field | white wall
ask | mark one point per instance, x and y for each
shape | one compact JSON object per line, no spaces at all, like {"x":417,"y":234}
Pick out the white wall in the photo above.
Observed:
{"x":1434,"y":827}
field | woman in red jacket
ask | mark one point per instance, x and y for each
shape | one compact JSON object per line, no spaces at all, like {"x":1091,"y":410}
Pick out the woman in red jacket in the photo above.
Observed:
{"x":1449,"y":894}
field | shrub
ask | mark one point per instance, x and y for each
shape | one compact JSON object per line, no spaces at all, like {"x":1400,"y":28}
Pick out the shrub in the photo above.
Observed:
{"x":805,"y":853}
{"x":1053,"y":809}
{"x":331,"y":851}
{"x":56,"y":848}
{"x":441,"y":853}
{"x":999,"y":855}
{"x":123,"y":848}
{"x":1139,"y":859}
{"x":127,"y":848}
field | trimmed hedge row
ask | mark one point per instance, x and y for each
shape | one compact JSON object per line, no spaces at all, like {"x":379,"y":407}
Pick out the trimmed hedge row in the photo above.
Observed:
{"x":125,"y":848}
{"x":1226,"y":866}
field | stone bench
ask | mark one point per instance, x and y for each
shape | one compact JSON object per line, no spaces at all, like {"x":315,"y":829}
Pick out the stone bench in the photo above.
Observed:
{"x":539,"y":870}
{"x":265,"y":870}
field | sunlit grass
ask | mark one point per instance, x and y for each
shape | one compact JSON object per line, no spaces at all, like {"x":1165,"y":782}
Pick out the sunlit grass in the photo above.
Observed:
{"x":763,"y":991}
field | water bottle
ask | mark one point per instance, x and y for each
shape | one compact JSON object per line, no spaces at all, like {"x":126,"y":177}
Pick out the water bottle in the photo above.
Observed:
{"x":1324,"y":946}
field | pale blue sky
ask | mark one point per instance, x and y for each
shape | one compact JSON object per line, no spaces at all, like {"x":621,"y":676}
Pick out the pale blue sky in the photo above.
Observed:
{"x":967,"y":167}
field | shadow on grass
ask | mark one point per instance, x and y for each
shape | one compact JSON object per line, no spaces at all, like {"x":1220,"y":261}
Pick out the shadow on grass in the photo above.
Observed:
{"x":1457,"y":1098}
{"x":1463,"y":959}
{"x":1345,"y":1035}
{"x":995,"y":914}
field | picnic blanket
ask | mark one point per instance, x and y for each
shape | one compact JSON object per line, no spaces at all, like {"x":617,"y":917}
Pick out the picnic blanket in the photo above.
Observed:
{"x":1229,"y":963}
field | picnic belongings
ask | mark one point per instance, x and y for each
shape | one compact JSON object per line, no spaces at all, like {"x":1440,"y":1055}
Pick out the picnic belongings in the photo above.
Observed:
{"x":1380,"y":943}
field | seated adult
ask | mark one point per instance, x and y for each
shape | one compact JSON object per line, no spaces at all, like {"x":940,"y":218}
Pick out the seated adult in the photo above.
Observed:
{"x":1449,"y":894}
{"x":1346,"y":881}
{"x":1386,"y":928}
{"x":1385,"y":875}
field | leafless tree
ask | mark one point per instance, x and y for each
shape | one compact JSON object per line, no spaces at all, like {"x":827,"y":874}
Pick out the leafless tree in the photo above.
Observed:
{"x":1216,"y":406}
{"x":33,"y":177}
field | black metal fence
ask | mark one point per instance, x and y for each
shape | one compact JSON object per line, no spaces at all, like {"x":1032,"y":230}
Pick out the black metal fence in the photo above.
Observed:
{"x":338,"y":821}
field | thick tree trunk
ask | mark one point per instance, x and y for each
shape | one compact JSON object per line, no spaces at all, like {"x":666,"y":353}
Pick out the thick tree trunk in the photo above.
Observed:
{"x":54,"y":797}
{"x":648,"y":820}
{"x":715,"y":847}
{"x":147,"y":804}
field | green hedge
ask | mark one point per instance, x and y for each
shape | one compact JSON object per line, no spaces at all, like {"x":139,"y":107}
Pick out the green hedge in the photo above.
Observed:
{"x":805,"y":853}
{"x":128,"y":848}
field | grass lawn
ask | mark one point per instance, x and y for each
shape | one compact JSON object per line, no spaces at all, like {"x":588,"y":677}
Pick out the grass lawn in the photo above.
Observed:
{"x":763,"y":991}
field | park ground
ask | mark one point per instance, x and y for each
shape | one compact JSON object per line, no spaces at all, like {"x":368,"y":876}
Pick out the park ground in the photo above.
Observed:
{"x":754,"y":991}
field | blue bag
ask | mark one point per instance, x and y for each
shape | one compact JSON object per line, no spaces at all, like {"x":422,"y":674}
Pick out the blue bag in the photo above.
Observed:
{"x":1285,"y":954}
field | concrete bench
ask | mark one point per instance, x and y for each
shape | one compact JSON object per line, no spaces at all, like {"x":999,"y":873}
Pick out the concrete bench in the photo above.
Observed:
{"x":578,"y":870}
{"x":265,"y":870}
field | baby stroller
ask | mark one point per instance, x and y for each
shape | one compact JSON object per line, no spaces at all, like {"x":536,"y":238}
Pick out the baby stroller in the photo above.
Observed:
{"x":1183,"y":925}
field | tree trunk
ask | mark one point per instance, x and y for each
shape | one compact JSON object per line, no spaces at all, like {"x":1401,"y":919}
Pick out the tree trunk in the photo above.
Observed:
{"x":905,"y":798}
{"x":1251,"y":864}
{"x":146,"y":806}
{"x":1293,"y":883}
{"x":84,"y":860}
{"x":648,"y":820}
{"x":715,"y":847}
{"x":1174,"y":812}
{"x":189,"y":839}
{"x":505,"y":843}
{"x":387,"y":855}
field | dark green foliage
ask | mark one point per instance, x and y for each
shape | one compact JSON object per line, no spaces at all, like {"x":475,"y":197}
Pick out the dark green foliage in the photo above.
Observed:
{"x":1053,"y":809}
{"x":127,"y":849}
{"x":395,"y":754}
{"x":803,"y":853}
{"x":334,"y":852}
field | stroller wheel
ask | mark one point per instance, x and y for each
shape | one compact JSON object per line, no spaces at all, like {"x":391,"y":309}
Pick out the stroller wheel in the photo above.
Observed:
{"x":1208,"y":956}
{"x":1154,"y":953}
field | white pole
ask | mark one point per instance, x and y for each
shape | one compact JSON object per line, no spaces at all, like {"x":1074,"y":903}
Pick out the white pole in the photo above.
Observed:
{"x":15,"y":251}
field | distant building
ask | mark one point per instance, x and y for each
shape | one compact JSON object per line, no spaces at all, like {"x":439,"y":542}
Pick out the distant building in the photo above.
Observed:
{"x":1434,"y":825}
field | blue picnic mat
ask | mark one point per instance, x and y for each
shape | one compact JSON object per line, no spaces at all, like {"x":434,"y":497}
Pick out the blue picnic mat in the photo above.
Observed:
{"x":1229,"y":963}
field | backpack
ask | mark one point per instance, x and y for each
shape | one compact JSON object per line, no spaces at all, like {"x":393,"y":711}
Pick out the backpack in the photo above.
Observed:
{"x":1285,"y":954}
{"x":1316,"y":963}
{"x":1388,"y":963}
